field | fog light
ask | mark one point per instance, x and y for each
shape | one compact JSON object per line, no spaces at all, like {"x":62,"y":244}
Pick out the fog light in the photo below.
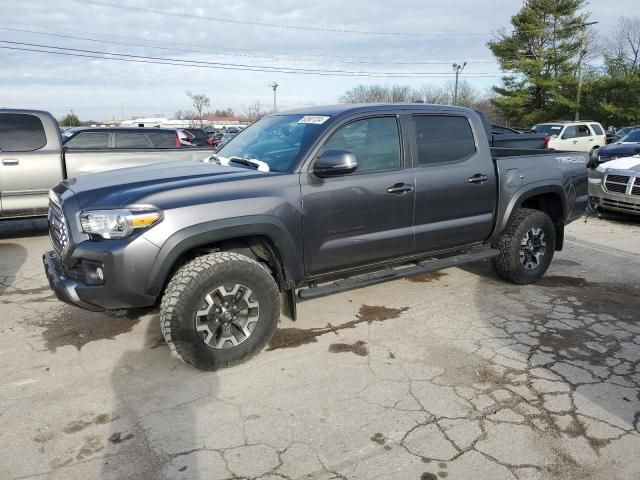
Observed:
{"x":100,"y":274}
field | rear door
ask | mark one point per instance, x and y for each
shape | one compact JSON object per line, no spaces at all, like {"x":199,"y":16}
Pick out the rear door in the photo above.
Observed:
{"x":455,"y":190}
{"x":366,"y":216}
{"x":30,"y":163}
{"x":586,"y":138}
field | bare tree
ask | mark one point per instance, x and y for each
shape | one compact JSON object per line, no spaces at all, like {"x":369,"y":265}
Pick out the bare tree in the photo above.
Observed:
{"x":623,"y":49}
{"x":468,"y":96}
{"x":434,"y":95}
{"x":199,"y":100}
{"x":254,"y":111}
{"x":379,"y":94}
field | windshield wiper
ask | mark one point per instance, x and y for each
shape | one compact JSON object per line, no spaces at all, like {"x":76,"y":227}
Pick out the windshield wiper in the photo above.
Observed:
{"x":244,"y":161}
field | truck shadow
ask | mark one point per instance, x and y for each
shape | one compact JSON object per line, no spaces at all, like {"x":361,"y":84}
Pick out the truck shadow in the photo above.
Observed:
{"x":28,"y":227}
{"x":12,"y":258}
{"x":154,"y":431}
{"x":571,"y":330}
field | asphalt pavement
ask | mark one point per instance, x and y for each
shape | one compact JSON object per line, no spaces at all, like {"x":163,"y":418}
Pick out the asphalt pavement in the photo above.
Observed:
{"x":454,"y":374}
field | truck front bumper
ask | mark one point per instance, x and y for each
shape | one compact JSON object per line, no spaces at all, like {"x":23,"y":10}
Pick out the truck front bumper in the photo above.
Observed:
{"x":64,"y":287}
{"x":121,"y":289}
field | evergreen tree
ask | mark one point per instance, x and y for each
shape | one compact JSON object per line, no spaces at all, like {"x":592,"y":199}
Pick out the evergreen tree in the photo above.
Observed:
{"x":541,"y":55}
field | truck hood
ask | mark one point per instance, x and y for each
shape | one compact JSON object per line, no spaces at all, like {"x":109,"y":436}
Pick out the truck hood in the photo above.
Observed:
{"x":115,"y":188}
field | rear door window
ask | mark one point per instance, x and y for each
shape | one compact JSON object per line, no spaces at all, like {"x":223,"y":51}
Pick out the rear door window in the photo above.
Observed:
{"x":162,"y":139}
{"x":21,"y":132}
{"x":131,"y":140}
{"x":443,"y":139}
{"x":583,"y":131}
{"x":89,"y":141}
{"x":597,"y":129}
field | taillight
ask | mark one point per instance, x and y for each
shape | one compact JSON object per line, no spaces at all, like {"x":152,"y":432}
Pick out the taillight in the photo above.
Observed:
{"x":547,"y":139}
{"x":178,"y":144}
{"x":209,"y":142}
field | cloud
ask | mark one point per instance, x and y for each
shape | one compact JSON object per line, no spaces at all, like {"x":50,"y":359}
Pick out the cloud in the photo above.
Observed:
{"x":99,"y":88}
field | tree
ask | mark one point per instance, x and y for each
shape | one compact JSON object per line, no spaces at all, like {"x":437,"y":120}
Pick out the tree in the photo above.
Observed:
{"x":622,"y":52}
{"x":70,"y":120}
{"x":199,"y":100}
{"x":379,"y":94}
{"x":254,"y":111}
{"x":224,"y":113}
{"x":540,"y":57}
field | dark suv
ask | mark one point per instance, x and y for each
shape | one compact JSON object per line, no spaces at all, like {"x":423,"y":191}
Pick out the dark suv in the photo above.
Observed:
{"x":304,"y":204}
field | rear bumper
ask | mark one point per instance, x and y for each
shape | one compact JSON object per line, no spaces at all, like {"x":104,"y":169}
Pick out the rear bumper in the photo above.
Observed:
{"x":62,"y":286}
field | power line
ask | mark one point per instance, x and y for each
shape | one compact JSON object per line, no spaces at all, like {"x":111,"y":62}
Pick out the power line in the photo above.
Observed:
{"x":175,"y":14}
{"x":273,"y":54}
{"x":210,"y":52}
{"x":253,"y":23}
{"x":212,"y":65}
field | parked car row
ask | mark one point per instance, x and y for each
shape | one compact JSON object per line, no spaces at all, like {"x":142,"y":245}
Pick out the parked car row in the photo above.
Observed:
{"x":34,"y":156}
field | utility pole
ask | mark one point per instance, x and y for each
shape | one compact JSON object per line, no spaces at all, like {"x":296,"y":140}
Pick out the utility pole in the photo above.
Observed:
{"x":583,"y":53}
{"x":122,"y":110}
{"x":274,"y":86}
{"x":457,"y":69}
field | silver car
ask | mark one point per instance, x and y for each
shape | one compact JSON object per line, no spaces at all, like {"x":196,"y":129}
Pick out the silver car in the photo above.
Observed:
{"x":615,"y":186}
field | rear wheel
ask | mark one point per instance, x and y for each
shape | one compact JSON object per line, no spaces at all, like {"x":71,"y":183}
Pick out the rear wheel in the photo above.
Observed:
{"x":219,"y":309}
{"x":526,"y":247}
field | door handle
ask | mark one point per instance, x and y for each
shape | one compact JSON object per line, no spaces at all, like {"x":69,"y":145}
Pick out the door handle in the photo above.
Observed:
{"x":478,"y":179}
{"x":400,"y":188}
{"x":10,"y":161}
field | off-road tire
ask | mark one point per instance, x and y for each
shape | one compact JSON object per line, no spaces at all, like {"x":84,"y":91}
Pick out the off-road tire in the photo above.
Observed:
{"x":507,"y":264}
{"x":185,"y":292}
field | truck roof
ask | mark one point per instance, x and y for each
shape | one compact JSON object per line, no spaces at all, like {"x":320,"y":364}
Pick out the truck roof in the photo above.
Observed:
{"x":347,"y":108}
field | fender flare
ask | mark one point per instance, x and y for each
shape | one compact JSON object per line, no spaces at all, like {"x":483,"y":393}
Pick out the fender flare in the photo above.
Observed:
{"x":526,"y":192}
{"x":214,"y":231}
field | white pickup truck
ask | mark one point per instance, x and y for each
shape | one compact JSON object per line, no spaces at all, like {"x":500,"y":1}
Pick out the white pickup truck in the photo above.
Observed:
{"x":33,"y":158}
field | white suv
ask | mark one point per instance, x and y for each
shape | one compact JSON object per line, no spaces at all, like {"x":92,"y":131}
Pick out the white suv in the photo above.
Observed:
{"x":585,"y":136}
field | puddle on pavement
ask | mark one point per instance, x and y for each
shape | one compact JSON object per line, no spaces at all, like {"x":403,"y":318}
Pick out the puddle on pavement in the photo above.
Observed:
{"x":561,"y":281}
{"x":619,"y":300}
{"x":294,"y":337}
{"x":79,"y":425}
{"x":428,"y":476}
{"x":426,"y":277}
{"x":359,"y":348}
{"x":378,"y":438}
{"x":73,"y":326}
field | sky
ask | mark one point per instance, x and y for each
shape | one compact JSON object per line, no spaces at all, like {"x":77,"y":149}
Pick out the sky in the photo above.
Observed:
{"x":231,"y":40}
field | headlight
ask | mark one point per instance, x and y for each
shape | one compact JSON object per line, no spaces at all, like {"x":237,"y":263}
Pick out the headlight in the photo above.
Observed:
{"x":117,"y":223}
{"x":595,"y":181}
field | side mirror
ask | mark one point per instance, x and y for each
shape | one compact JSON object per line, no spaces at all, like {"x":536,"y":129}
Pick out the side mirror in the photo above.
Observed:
{"x":335,"y":162}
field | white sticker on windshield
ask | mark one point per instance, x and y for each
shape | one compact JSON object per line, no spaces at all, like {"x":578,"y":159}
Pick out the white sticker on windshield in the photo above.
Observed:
{"x":315,"y":119}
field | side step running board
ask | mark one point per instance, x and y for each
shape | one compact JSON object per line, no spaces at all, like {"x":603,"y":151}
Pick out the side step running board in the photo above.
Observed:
{"x":394,"y":274}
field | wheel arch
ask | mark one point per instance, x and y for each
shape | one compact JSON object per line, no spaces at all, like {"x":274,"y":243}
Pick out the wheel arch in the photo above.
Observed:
{"x":266,"y":237}
{"x":550,"y":199}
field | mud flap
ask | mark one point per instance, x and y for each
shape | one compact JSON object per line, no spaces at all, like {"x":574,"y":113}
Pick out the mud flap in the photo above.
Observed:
{"x":288,"y":301}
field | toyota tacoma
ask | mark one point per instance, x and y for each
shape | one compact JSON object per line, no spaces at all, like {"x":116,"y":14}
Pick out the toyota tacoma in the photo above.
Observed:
{"x":304,"y":204}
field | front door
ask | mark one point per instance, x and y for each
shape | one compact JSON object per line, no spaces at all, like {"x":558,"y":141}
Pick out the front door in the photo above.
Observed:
{"x":29,"y":165}
{"x":366,"y":216}
{"x":455,"y":184}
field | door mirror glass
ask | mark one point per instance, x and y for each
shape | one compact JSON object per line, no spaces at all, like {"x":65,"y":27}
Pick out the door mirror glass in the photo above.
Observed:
{"x":335,"y":162}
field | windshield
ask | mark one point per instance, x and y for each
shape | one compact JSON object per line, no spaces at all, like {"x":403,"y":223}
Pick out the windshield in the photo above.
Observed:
{"x":275,"y":140}
{"x":632,"y":137}
{"x":548,"y":128}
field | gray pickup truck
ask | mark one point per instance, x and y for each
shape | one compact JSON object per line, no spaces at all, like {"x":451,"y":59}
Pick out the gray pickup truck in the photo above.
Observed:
{"x":32,"y":157}
{"x":304,"y":204}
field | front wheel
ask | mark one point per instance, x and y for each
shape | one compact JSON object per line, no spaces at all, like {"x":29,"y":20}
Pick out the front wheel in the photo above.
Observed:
{"x":219,"y":309}
{"x":526,"y":247}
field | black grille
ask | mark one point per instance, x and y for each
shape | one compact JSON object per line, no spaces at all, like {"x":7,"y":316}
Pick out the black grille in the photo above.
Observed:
{"x":616,"y":183}
{"x":57,"y":228}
